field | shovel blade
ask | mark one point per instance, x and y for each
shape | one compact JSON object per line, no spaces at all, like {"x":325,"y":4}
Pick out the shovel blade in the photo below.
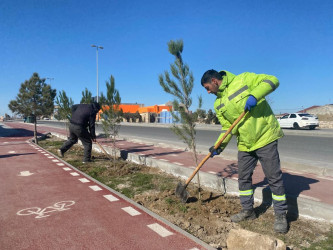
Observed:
{"x":181,"y":192}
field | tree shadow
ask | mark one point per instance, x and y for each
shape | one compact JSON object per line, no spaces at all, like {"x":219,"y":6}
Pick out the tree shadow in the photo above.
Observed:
{"x":12,"y":155}
{"x":17,"y":132}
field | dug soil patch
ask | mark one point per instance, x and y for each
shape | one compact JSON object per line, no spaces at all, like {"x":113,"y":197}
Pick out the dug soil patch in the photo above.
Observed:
{"x":208,"y":218}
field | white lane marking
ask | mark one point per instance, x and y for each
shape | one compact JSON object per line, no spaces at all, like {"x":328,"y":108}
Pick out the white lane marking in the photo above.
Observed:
{"x":67,"y":169}
{"x":75,"y":174}
{"x":181,"y":164}
{"x":131,"y":211}
{"x":50,"y":157}
{"x":5,"y":142}
{"x":11,"y":152}
{"x":162,"y":231}
{"x":174,"y":155}
{"x":84,"y":180}
{"x":25,"y":173}
{"x":194,"y":248}
{"x":46,"y":154}
{"x":39,"y":150}
{"x":212,"y":172}
{"x":110,"y":197}
{"x":95,"y":188}
{"x":164,"y":160}
{"x":60,"y":164}
{"x":55,"y":160}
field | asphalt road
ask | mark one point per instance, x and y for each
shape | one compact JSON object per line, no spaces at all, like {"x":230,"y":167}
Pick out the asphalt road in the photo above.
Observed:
{"x":298,"y":147}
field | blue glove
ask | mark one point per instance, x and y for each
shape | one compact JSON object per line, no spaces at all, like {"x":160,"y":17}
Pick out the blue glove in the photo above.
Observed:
{"x":250,"y":103}
{"x":215,"y":151}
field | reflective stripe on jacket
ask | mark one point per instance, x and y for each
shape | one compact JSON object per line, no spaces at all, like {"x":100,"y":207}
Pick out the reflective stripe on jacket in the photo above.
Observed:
{"x":259,"y":127}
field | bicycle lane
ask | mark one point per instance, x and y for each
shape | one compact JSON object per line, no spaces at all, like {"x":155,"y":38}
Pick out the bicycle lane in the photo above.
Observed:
{"x":47,"y":204}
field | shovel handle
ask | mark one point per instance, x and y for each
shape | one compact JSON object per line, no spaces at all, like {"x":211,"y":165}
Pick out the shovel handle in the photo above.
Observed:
{"x":103,"y":150}
{"x":215,"y":147}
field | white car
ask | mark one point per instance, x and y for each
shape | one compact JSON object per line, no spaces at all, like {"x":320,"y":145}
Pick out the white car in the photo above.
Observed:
{"x":299,"y":120}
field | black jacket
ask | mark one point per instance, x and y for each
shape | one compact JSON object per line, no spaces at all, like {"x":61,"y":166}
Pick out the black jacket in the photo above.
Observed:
{"x":85,"y":115}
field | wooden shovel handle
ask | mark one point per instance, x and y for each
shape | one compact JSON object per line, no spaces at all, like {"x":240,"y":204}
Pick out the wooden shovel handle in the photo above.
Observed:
{"x":103,"y":150}
{"x":215,"y":147}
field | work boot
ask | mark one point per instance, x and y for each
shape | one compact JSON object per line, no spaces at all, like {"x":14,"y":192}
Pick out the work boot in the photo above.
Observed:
{"x":281,"y":224}
{"x":244,"y":215}
{"x":60,"y":153}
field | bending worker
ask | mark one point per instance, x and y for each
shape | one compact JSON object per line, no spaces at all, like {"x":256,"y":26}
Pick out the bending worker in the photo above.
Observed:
{"x":83,"y":116}
{"x":257,"y":135}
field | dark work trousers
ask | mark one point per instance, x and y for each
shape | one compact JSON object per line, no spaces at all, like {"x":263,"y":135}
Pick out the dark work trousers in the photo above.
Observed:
{"x":270,"y":162}
{"x":78,"y":132}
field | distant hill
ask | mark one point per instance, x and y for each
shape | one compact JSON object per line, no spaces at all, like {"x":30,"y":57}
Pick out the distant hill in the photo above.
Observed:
{"x":319,"y":110}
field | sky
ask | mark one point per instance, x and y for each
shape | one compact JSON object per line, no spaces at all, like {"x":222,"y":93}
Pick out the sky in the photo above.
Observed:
{"x":292,"y":40}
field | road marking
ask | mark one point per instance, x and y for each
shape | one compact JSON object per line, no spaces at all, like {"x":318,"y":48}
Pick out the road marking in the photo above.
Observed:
{"x":162,"y":231}
{"x":60,"y":164}
{"x":55,"y":160}
{"x":212,"y":172}
{"x":194,"y":248}
{"x":131,"y":211}
{"x":39,"y":150}
{"x":47,"y":154}
{"x":67,"y":169}
{"x":174,"y":155}
{"x":25,"y":173}
{"x":41,"y":213}
{"x":181,"y":164}
{"x":75,"y":174}
{"x":84,"y":180}
{"x":95,"y":188}
{"x":11,"y":152}
{"x":110,"y":197}
{"x":50,"y":157}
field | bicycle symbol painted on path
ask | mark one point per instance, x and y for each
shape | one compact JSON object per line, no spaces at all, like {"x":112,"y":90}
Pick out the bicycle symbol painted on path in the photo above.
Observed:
{"x":41,"y":213}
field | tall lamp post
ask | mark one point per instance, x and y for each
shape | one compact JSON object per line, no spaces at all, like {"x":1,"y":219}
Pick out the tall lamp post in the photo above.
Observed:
{"x":50,"y":78}
{"x":97,"y":47}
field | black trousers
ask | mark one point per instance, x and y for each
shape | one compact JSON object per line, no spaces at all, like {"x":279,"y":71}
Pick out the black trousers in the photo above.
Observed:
{"x":78,"y":132}
{"x":270,"y":162}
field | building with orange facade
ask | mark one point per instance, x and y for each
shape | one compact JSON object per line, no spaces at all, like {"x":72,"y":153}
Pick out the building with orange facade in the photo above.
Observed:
{"x":148,"y":114}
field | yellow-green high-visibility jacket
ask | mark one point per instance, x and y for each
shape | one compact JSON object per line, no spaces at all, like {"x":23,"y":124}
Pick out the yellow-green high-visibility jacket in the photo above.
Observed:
{"x":259,"y":127}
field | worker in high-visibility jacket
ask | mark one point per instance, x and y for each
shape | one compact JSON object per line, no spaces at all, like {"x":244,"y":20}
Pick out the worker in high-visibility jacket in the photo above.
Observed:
{"x":257,"y":135}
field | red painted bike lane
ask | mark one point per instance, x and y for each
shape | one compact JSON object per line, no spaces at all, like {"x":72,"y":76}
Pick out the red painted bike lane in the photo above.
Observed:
{"x":47,"y":204}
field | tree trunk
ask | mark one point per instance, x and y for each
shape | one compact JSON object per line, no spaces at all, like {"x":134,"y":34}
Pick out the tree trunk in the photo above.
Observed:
{"x":35,"y":130}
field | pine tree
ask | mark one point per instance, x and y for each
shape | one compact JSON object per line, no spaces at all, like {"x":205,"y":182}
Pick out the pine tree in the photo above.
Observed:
{"x":86,"y":97}
{"x":111,"y":113}
{"x":181,"y":89}
{"x":35,"y":98}
{"x":64,"y":108}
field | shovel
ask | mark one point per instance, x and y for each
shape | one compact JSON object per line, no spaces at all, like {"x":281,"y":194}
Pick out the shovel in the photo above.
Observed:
{"x":181,"y":191}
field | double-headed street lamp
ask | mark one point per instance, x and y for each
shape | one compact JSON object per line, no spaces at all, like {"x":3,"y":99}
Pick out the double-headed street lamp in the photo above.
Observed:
{"x":97,"y":47}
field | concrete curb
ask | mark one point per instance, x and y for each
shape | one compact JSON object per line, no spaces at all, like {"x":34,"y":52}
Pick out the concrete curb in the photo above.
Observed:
{"x":297,"y":206}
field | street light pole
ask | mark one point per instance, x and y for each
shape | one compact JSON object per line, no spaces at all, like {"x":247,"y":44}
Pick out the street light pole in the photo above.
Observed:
{"x":97,"y":47}
{"x":50,"y":78}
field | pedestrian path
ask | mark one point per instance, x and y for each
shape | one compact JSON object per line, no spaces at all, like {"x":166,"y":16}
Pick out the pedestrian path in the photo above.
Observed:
{"x":48,"y":204}
{"x":307,"y":193}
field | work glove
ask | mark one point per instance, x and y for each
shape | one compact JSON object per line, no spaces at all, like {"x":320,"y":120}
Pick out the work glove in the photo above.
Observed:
{"x":215,"y":151}
{"x":250,"y":103}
